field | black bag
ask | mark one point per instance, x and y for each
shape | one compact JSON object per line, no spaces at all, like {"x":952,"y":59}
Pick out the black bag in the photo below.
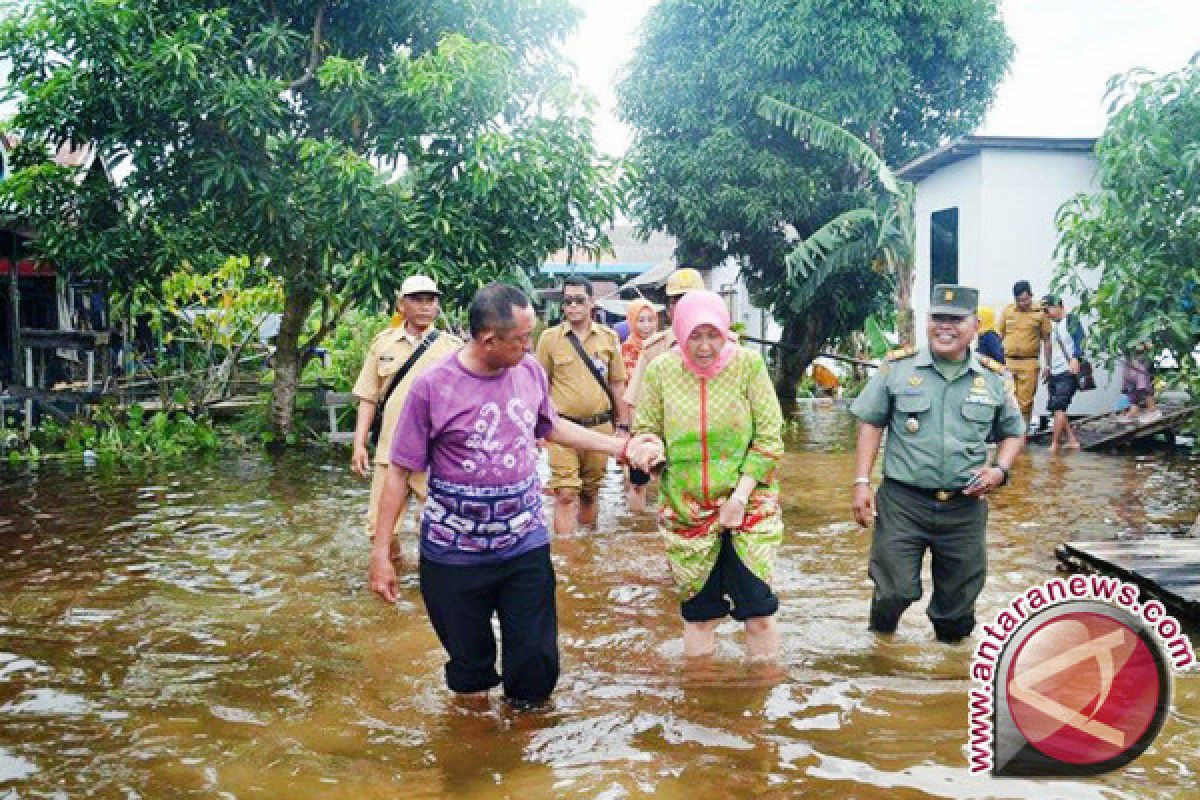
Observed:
{"x":1086,"y":379}
{"x":377,"y":422}
{"x":591,"y":367}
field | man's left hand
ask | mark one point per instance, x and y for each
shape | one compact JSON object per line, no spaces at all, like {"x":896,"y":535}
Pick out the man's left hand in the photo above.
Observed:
{"x":1074,"y":366}
{"x":986,"y":480}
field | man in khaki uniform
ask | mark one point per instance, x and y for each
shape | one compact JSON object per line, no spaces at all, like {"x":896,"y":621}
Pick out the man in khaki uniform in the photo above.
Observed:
{"x":1025,"y":330}
{"x":417,"y":303}
{"x":679,"y":283}
{"x":576,"y":475}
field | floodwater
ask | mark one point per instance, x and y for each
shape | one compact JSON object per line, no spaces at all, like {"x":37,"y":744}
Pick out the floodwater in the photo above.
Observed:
{"x":204,"y":631}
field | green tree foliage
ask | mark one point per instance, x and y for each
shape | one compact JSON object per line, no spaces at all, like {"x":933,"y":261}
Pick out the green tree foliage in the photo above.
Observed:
{"x":343,"y":145}
{"x":205,"y":324}
{"x":881,"y":234}
{"x":1131,"y":252}
{"x":900,"y":75}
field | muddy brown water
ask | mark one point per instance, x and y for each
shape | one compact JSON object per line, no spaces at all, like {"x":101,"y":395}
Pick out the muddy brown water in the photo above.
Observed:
{"x":203,"y":630}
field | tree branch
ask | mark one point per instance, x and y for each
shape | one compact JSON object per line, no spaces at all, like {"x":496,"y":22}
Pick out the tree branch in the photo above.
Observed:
{"x":331,"y":314}
{"x":314,"y":57}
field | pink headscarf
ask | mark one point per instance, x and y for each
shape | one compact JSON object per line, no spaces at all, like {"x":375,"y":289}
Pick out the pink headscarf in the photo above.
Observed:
{"x":702,"y":307}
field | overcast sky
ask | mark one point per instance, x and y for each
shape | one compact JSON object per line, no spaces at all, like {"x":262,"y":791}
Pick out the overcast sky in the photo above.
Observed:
{"x":1066,"y":52}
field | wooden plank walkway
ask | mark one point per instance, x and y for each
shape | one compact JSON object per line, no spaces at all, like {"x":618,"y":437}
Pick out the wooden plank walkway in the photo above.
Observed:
{"x":1110,"y":430}
{"x":1167,"y":567}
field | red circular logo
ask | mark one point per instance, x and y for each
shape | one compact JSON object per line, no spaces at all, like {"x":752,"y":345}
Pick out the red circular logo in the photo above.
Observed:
{"x":1083,"y":688}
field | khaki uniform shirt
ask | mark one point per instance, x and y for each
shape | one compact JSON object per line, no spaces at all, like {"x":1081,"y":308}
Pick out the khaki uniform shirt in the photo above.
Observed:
{"x":1023,"y":331}
{"x":937,"y":430}
{"x":573,"y":390}
{"x":388,"y":352}
{"x":652,"y":348}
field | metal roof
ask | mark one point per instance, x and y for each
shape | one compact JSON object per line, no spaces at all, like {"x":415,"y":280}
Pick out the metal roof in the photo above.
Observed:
{"x":630,"y":255}
{"x":924,"y":166}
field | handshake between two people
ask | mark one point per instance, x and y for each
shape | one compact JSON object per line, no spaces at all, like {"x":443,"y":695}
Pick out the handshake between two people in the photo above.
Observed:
{"x":641,"y":451}
{"x":644,"y":452}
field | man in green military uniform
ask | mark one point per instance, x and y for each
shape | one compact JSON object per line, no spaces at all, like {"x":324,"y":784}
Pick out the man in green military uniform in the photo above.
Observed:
{"x":938,"y":405}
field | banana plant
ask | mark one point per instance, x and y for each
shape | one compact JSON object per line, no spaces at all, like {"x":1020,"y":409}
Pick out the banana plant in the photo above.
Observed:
{"x":881,"y":234}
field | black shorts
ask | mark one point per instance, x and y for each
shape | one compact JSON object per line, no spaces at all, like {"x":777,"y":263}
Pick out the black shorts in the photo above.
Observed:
{"x":461,"y":601}
{"x":731,"y":579}
{"x":1062,"y":389}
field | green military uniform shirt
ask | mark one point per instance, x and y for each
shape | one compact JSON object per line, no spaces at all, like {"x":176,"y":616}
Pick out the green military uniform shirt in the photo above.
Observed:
{"x":938,"y":429}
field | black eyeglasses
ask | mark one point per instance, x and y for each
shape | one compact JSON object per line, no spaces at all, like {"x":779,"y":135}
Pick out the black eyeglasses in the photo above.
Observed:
{"x":573,"y":300}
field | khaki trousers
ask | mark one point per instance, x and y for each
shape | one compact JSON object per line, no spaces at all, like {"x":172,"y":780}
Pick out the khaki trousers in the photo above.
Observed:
{"x":416,"y":488}
{"x":1026,"y":373}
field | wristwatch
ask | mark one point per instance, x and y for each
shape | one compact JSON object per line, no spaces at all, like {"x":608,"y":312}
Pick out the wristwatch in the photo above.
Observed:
{"x":1004,"y":470}
{"x":862,"y":481}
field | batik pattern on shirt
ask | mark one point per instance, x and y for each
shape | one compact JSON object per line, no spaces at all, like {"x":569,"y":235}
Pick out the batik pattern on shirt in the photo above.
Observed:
{"x":477,"y":437}
{"x":460,"y":518}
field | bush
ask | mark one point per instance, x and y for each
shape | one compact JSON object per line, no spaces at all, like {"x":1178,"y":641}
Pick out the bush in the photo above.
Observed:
{"x":346,"y":347}
{"x":114,"y":435}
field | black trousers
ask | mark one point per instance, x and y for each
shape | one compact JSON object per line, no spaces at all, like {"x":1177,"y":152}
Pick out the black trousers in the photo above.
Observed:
{"x":908,"y":524}
{"x":731,"y":590}
{"x":461,"y":601}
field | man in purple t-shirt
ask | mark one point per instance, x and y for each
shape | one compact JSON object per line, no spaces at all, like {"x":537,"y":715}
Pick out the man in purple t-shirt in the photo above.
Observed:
{"x":472,"y":423}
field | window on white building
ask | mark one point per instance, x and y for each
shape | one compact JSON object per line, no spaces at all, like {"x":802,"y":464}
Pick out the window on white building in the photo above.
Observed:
{"x":943,"y":246}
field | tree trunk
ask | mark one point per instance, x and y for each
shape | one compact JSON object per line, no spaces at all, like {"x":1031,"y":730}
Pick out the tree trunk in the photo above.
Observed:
{"x":803,"y":336}
{"x":297,"y":303}
{"x":1196,"y":527}
{"x":905,"y":324}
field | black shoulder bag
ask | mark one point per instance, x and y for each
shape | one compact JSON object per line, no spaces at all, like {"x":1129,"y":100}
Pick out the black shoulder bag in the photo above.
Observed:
{"x":591,"y":365}
{"x":1086,"y":379}
{"x":377,"y":422}
{"x":637,"y":476}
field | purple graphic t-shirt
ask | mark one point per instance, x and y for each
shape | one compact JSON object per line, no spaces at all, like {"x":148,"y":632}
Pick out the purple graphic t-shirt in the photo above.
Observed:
{"x":476,"y":436}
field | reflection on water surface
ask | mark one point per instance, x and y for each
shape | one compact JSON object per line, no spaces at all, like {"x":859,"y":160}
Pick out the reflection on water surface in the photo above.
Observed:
{"x":203,"y":631}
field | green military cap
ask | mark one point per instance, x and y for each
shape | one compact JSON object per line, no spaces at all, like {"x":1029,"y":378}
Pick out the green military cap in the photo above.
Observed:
{"x":950,"y":298}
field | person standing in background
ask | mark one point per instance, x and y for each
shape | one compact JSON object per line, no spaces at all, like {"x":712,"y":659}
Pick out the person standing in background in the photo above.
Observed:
{"x":387,"y":362}
{"x":1062,"y":372}
{"x":582,"y":360}
{"x":1024,"y":330}
{"x":990,"y":343}
{"x":643,"y":324}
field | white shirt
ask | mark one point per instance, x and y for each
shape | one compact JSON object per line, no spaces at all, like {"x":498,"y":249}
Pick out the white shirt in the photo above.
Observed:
{"x":1062,"y":347}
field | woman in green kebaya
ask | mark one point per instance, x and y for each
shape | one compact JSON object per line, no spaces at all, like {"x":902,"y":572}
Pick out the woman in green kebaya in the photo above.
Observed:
{"x":713,"y":406}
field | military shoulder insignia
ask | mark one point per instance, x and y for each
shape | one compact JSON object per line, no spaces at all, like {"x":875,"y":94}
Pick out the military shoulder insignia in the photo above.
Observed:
{"x":903,"y":352}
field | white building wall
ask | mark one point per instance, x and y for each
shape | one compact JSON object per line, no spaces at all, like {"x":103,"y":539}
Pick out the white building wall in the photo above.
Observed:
{"x":958,"y":186}
{"x":1007,"y":203}
{"x":727,"y":281}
